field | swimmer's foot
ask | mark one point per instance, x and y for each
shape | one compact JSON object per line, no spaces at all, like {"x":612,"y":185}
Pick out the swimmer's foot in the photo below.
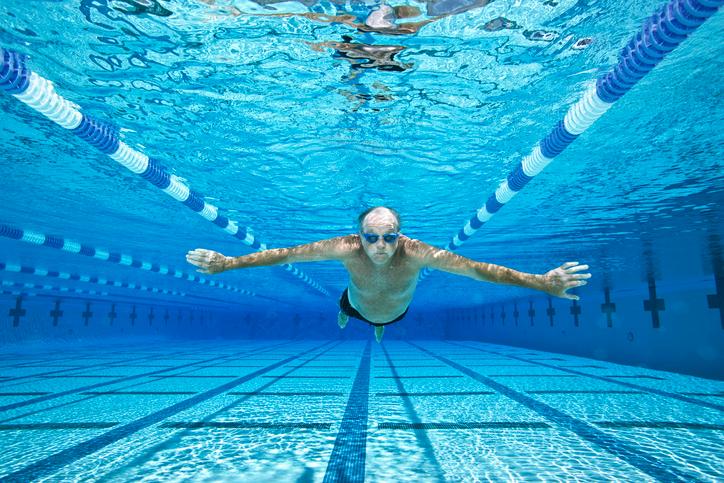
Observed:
{"x":379,"y":332}
{"x":342,"y":320}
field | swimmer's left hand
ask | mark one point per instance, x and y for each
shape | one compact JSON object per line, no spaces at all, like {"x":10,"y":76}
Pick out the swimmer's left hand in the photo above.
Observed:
{"x":559,"y":280}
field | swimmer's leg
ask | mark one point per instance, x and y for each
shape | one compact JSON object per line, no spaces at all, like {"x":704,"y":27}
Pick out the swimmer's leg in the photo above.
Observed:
{"x":379,"y":332}
{"x":342,"y":319}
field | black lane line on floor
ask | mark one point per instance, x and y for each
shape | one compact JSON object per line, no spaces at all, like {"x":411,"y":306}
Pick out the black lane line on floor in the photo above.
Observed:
{"x":405,"y":367}
{"x":347,"y":462}
{"x":24,"y":393}
{"x":287,"y":394}
{"x":658,"y":392}
{"x":311,"y":377}
{"x":531,"y":375}
{"x":47,"y":426}
{"x":658,"y":425}
{"x":707,"y":394}
{"x":417,"y":377}
{"x":118,"y":363}
{"x":244,"y":425}
{"x":53,"y":463}
{"x":138,"y":393}
{"x":641,"y":460}
{"x":464,"y":425}
{"x":28,"y":402}
{"x":582,"y":391}
{"x":418,"y":394}
{"x":422,"y":440}
{"x":174,"y":440}
{"x":192,"y":368}
{"x":105,"y":365}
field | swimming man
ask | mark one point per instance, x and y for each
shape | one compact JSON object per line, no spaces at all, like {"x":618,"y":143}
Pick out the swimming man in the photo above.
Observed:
{"x":384,"y":265}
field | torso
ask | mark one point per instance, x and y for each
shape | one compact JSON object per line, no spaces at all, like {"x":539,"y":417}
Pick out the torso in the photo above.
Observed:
{"x":382,"y":294}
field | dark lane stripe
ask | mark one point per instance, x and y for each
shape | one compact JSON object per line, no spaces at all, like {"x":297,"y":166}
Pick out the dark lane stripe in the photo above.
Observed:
{"x":244,"y":425}
{"x":28,"y":402}
{"x":51,"y":464}
{"x":658,"y":425}
{"x":651,"y":390}
{"x":121,"y":355}
{"x":23,"y":393}
{"x":628,"y":453}
{"x":347,"y":463}
{"x":462,"y":425}
{"x":175,"y":440}
{"x":138,"y":393}
{"x":286,"y":393}
{"x":45,"y":426}
{"x":581,"y":391}
{"x":416,"y":377}
{"x":421,"y":437}
{"x":448,"y":393}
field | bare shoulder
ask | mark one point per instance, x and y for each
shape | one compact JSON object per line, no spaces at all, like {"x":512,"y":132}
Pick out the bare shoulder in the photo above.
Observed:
{"x":417,"y":249}
{"x":345,"y":246}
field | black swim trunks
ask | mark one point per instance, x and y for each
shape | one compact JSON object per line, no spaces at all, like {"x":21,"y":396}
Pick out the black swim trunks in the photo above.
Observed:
{"x":347,"y":308}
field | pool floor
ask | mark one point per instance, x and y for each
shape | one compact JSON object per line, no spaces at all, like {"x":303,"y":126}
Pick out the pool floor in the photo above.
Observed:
{"x":291,"y":410}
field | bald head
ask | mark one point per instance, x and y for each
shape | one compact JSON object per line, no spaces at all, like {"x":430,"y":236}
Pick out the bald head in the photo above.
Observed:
{"x":380,"y":215}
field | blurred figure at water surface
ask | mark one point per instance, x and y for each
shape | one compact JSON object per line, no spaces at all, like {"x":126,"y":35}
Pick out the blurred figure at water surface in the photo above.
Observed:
{"x":384,"y":266}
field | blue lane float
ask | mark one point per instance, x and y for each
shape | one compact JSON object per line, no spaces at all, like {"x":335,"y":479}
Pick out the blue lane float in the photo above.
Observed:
{"x":660,"y":34}
{"x":51,"y":288}
{"x":70,"y":246}
{"x":76,"y":277}
{"x":39,"y":94}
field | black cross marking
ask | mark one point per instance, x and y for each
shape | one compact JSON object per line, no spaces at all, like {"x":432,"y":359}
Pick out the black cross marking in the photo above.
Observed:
{"x":716,"y":300}
{"x":166,"y":317}
{"x":133,"y":316}
{"x":112,"y":314}
{"x":17,"y":312}
{"x":576,"y":311}
{"x":502,"y":314}
{"x":56,"y":313}
{"x":492,"y":315}
{"x":87,"y":314}
{"x":531,"y":312}
{"x":653,"y":304}
{"x":550,"y":312}
{"x":179,"y":316}
{"x":151,"y":316}
{"x":516,"y":314}
{"x":609,"y":307}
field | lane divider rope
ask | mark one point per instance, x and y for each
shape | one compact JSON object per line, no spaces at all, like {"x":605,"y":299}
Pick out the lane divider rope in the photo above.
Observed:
{"x":55,"y":288}
{"x":39,"y":94}
{"x":41,"y":272}
{"x":660,"y":34}
{"x":77,"y":248}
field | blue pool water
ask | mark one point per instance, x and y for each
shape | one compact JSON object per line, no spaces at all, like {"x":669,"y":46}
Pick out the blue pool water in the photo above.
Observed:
{"x":118,"y":362}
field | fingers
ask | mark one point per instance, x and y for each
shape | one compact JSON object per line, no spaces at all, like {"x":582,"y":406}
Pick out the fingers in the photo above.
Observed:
{"x":575,"y":283}
{"x":580,"y":276}
{"x":569,"y":264}
{"x":576,"y":268}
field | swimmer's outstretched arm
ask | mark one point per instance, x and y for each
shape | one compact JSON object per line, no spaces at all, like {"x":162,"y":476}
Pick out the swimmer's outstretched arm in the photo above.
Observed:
{"x":337,"y":248}
{"x":555,"y":282}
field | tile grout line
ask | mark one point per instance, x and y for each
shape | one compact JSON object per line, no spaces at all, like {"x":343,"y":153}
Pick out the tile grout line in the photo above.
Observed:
{"x":641,"y":460}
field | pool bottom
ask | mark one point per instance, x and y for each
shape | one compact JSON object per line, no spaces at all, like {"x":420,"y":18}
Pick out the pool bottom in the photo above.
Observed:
{"x":350,"y":411}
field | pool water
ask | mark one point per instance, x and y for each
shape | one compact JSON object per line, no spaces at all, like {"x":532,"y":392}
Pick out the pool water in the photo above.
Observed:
{"x":280,"y":122}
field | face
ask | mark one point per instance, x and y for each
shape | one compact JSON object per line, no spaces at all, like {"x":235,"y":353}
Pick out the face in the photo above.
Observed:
{"x":379,"y":222}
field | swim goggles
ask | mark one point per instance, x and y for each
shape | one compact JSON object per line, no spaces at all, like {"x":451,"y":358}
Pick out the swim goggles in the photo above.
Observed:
{"x":387,"y":237}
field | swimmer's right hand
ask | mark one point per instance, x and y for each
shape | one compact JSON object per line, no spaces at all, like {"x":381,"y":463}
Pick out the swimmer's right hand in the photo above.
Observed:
{"x":208,"y":261}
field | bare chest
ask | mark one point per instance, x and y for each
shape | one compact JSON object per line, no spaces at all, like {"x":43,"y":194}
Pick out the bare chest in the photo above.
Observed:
{"x":396,"y":278}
